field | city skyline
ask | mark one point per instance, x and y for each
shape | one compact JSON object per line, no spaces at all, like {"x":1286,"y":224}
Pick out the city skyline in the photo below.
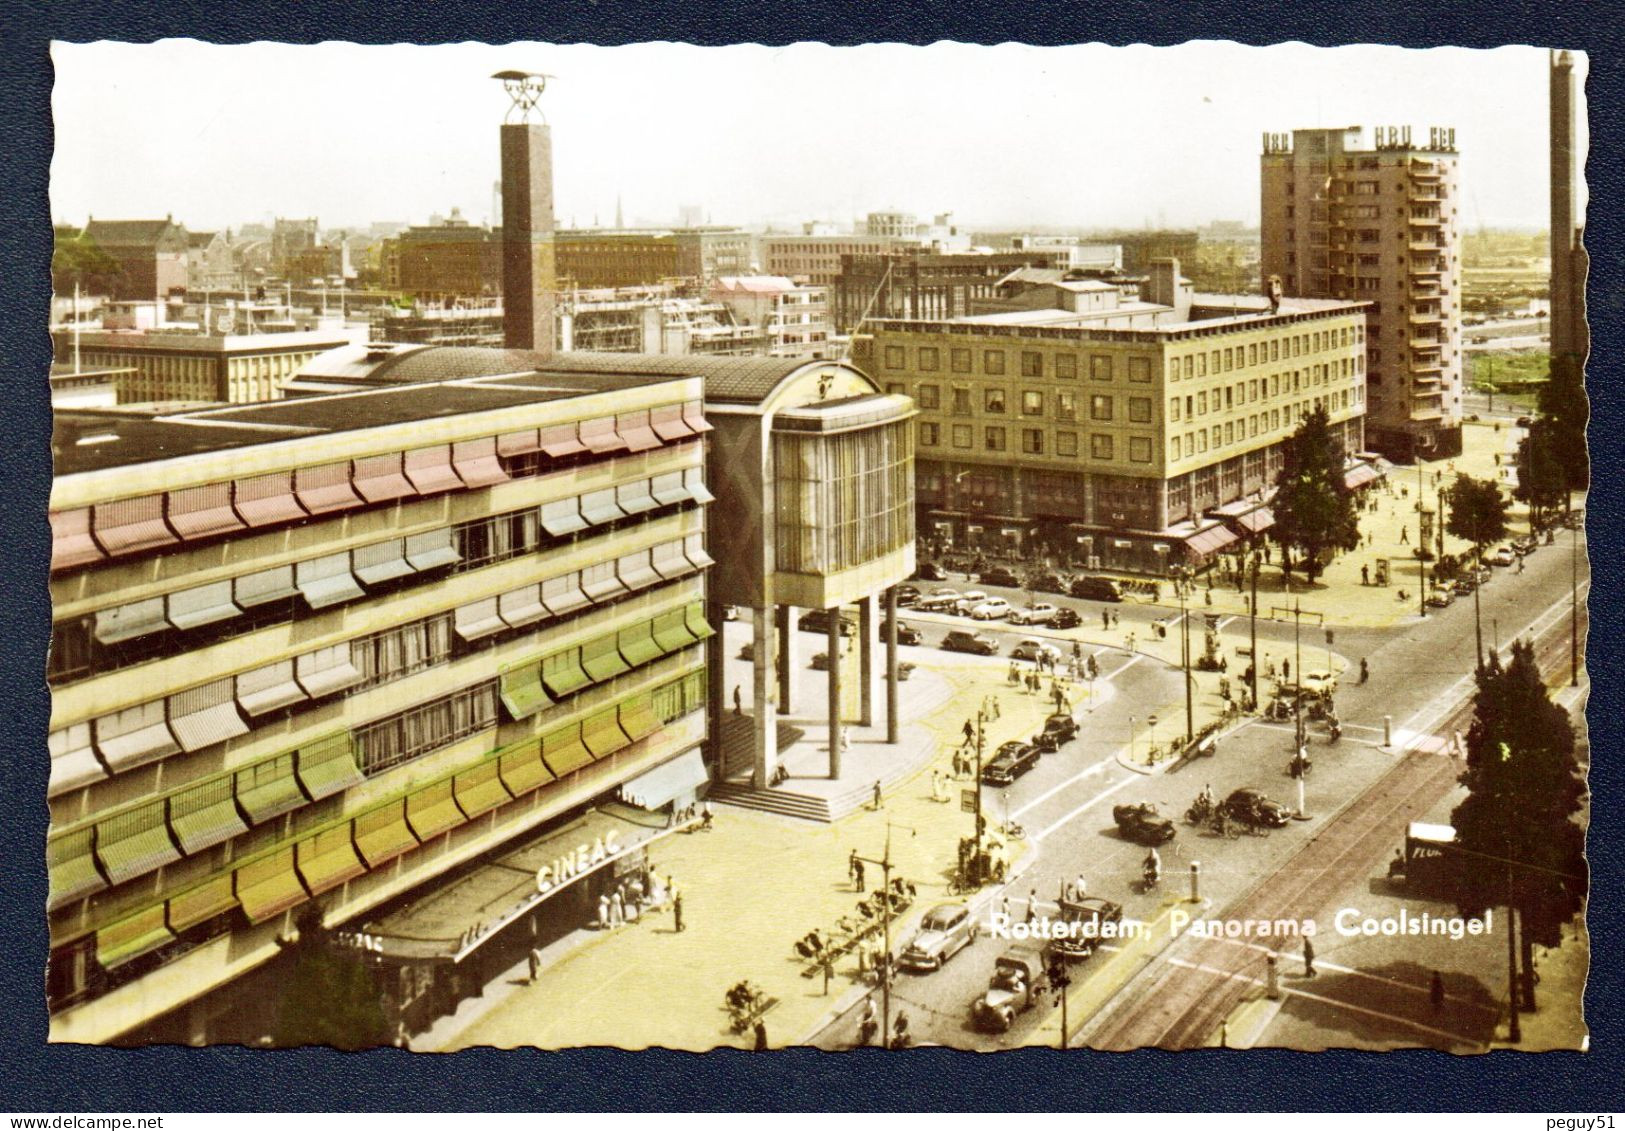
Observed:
{"x":114,"y":104}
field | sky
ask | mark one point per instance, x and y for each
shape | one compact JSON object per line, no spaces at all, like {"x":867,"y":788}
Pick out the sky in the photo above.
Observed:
{"x":1007,"y":136}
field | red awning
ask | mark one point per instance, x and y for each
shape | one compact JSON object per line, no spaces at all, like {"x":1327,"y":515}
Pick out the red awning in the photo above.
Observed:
{"x":1359,"y":475}
{"x":379,"y":478}
{"x":600,"y":436}
{"x":694,"y":417}
{"x":635,"y":430}
{"x":476,"y":462}
{"x":667,"y":422}
{"x":1211,"y":540}
{"x":130,"y":525}
{"x":203,"y":512}
{"x":560,"y":440}
{"x":268,"y":499}
{"x":325,"y":488}
{"x":1255,"y":521}
{"x":429,"y":469}
{"x":71,"y":543}
{"x":519,"y":443}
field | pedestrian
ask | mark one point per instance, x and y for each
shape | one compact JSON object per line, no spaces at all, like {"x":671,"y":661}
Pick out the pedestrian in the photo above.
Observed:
{"x":857,"y":874}
{"x":1365,"y":575}
{"x":868,"y":1023}
{"x":1081,"y":887}
{"x":1105,"y":618}
{"x":677,"y":911}
{"x":1436,"y":991}
{"x":761,"y":1035}
{"x":617,"y":909}
{"x":995,"y":707}
{"x":1032,"y":905}
{"x":603,"y":911}
{"x":1520,"y":565}
{"x":828,"y":966}
{"x":1004,"y":908}
{"x":877,"y":793}
{"x":739,"y":701}
{"x":1404,"y":536}
{"x":1286,"y":670}
{"x":1308,"y":958}
{"x":535,"y":964}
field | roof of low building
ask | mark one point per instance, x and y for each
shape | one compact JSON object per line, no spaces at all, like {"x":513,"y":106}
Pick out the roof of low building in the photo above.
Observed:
{"x":128,"y":233}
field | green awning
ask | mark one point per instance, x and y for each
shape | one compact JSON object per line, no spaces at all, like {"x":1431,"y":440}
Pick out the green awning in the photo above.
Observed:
{"x":269,"y":789}
{"x":562,"y":673}
{"x":522,"y":691}
{"x":132,"y":937}
{"x":479,"y":790}
{"x":602,"y":733}
{"x":522,"y":768}
{"x":698,"y":626}
{"x":328,"y":859}
{"x":601,"y":659}
{"x":72,"y":866}
{"x":202,"y":903}
{"x":383,"y":834}
{"x":637,"y":644}
{"x":135,"y":842}
{"x":563,"y":751}
{"x":670,"y":631}
{"x":202,"y":816}
{"x":269,"y":886}
{"x":432,"y":811}
{"x":638,"y":718}
{"x":327,"y":766}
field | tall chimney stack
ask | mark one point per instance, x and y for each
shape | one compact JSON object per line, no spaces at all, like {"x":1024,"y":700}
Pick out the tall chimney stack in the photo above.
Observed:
{"x":529,"y":270}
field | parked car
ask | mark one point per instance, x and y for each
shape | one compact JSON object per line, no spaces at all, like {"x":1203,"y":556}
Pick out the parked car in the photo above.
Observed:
{"x":1464,"y":584}
{"x":1065,"y":618}
{"x":906,"y":633}
{"x":1096,"y":589}
{"x":1046,"y":583}
{"x":994,"y":608}
{"x":1502,"y":556}
{"x":944,"y":932}
{"x":817,"y":620}
{"x":1041,"y":613}
{"x":1012,"y":760}
{"x":1000,"y":575}
{"x":1250,"y":807}
{"x":1087,"y":920}
{"x":1318,"y":683}
{"x":1441,"y":597}
{"x":1058,"y":729}
{"x":1030,"y":648}
{"x":1525,"y":544}
{"x":1142,"y":824}
{"x":968,"y":601}
{"x":963,"y":640}
{"x":1020,"y":977}
{"x":938,"y":601}
{"x":929,"y":571}
{"x":907,"y":595}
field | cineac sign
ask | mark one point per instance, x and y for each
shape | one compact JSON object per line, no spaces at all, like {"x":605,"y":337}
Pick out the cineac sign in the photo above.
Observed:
{"x":584,"y":858}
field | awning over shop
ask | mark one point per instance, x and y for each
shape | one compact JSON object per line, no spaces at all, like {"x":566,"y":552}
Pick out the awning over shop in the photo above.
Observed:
{"x":266,"y":500}
{"x":634,"y":428}
{"x":268,"y":789}
{"x":204,"y":716}
{"x":522,"y":691}
{"x":266,"y":689}
{"x":563,"y":751}
{"x":429,"y":470}
{"x":327,"y":765}
{"x":379,"y":479}
{"x":480,"y":789}
{"x":203,"y":512}
{"x":433,"y":811}
{"x":1211,"y":540}
{"x":73,"y":759}
{"x":202,"y":903}
{"x":381,"y":562}
{"x":667,"y":422}
{"x":560,"y":440}
{"x":680,"y":776}
{"x":1255,"y":521}
{"x":1359,"y":475}
{"x":476,"y":462}
{"x":71,"y":866}
{"x":130,"y":525}
{"x":602,"y":733}
{"x":431,"y":549}
{"x":325,"y":488}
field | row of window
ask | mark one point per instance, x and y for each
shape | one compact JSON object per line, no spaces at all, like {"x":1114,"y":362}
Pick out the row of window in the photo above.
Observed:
{"x":1102,"y":445}
{"x":1218,"y":435}
{"x":1229,"y":397}
{"x":1226,"y":360}
{"x":1064,"y":366}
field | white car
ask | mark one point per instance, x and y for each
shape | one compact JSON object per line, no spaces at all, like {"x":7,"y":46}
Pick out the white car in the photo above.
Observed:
{"x":993,"y":608}
{"x":1320,"y":683}
{"x":969,"y":601}
{"x":1031,"y":648}
{"x":938,"y":601}
{"x":1503,"y":555}
{"x":1041,"y":613}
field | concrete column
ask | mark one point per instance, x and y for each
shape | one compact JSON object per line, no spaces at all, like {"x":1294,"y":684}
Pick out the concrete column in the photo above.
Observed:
{"x":764,"y":719}
{"x":866,"y":661}
{"x":786,"y":655}
{"x":716,"y":689}
{"x":834,"y":643}
{"x":891,"y":665}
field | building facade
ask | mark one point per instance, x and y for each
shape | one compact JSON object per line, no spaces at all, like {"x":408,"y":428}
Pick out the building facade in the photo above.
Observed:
{"x":450,"y":260}
{"x":794,"y":319}
{"x":311,"y":654}
{"x":917,"y":283}
{"x":1571,"y":337}
{"x":1378,"y":224}
{"x":1133,"y":443}
{"x":151,"y":256}
{"x":174,"y":366}
{"x":816,"y":259}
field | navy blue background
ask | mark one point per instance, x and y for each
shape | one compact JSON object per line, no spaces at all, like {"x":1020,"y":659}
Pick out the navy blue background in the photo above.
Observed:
{"x":35,"y":1076}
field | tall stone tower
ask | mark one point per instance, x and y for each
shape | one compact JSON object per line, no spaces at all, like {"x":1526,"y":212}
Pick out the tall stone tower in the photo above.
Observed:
{"x":529,"y":270}
{"x":1569,"y":261}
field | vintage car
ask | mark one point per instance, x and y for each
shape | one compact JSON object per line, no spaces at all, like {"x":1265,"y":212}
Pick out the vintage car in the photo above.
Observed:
{"x":1096,"y":589}
{"x":944,"y":932}
{"x":906,"y":633}
{"x":962,"y":640}
{"x":1085,"y":922}
{"x":1441,"y":596}
{"x":1000,"y":575}
{"x":817,"y":620}
{"x":929,"y":571}
{"x":1247,"y":806}
{"x":968,"y":601}
{"x":1029,"y":648}
{"x":1041,"y":613}
{"x":904,"y":670}
{"x":993,"y":608}
{"x":1046,"y":583}
{"x":1065,"y":618}
{"x":1019,"y":976}
{"x":907,"y":595}
{"x":1502,"y":556}
{"x":1012,"y":760}
{"x":1058,"y":730}
{"x":938,"y":601}
{"x":1142,"y":824}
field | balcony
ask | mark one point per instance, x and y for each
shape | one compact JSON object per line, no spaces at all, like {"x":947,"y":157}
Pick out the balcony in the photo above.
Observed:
{"x":1418,"y":345}
{"x":1426,"y":221}
{"x":1425,"y":317}
{"x":1425,"y":269}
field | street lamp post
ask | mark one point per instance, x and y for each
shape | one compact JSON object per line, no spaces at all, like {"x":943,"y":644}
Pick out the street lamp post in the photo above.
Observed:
{"x":885,"y":968}
{"x":1253,"y":630}
{"x":1574,"y":606}
{"x":1421,"y":548}
{"x":1179,"y":574}
{"x":1297,"y":664}
{"x":1131,"y":738}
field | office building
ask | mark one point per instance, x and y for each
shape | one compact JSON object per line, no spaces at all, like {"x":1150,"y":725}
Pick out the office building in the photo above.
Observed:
{"x":454,"y":259}
{"x":1379,"y":224}
{"x":815,"y":259}
{"x":916,"y":282}
{"x":1116,"y":432}
{"x":793,"y":319}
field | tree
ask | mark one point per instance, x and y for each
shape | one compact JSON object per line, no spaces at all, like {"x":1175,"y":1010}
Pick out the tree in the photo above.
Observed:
{"x":1478,"y":513}
{"x":1543,"y":468}
{"x":330,"y":997}
{"x":79,"y":259}
{"x":1516,"y":829}
{"x":1314,"y":509}
{"x":1562,"y":401}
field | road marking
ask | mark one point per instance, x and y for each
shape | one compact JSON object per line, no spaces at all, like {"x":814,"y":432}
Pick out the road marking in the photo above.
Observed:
{"x":1097,"y":798}
{"x":1079,"y":776}
{"x":1336,"y":968}
{"x":1115,"y":672}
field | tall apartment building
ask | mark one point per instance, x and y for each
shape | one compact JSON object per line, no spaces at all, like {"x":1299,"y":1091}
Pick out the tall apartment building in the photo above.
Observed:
{"x":1378,"y":224}
{"x":311,"y":654}
{"x":1112,"y":432}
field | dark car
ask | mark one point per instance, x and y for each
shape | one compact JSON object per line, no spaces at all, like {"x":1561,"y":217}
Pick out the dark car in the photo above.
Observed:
{"x":906,"y":633}
{"x":1250,"y":807}
{"x":1088,"y":921}
{"x":817,"y":620}
{"x":1058,"y":729}
{"x":907,"y":595}
{"x":1012,"y":760}
{"x":1065,"y":618}
{"x":929,"y":571}
{"x":1525,"y":422}
{"x":1000,"y":575}
{"x":1142,"y":824}
{"x":1046,"y":583}
{"x":1096,"y":589}
{"x":1525,"y":544}
{"x":963,"y":640}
